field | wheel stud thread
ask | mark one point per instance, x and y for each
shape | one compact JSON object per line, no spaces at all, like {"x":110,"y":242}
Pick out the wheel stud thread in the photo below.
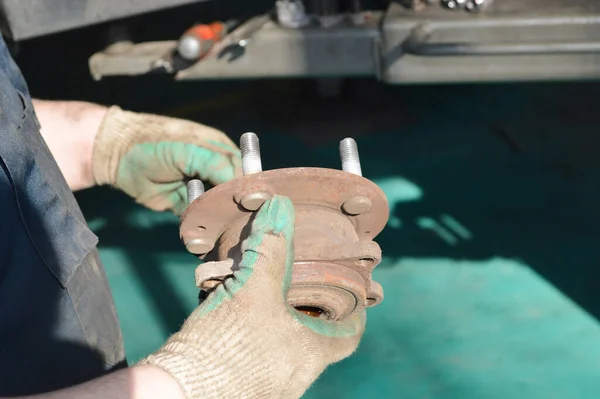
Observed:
{"x":249,"y":145}
{"x":349,"y":155}
{"x":195,"y":188}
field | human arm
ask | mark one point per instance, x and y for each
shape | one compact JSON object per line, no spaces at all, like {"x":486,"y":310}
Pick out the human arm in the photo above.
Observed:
{"x":139,"y":382}
{"x":69,"y":129}
{"x":149,"y":157}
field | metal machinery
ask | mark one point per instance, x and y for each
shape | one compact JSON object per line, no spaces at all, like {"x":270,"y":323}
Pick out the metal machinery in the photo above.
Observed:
{"x":24,"y":19}
{"x":338,"y":214}
{"x":412,"y":41}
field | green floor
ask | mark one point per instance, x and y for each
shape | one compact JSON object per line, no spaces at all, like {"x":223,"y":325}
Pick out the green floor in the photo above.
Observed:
{"x":509,"y":313}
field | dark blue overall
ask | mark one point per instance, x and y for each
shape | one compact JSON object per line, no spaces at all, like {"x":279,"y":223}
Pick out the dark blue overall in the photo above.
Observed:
{"x":58,"y":325}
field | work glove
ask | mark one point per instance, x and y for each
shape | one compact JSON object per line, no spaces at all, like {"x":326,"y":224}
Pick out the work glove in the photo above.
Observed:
{"x":150,"y":157}
{"x":244,"y":340}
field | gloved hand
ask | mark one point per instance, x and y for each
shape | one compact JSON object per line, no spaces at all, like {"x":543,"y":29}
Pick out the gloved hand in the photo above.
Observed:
{"x":244,"y":340}
{"x":149,"y":157}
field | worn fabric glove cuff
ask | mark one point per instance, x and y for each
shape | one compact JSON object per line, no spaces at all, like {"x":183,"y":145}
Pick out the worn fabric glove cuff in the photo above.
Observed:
{"x":210,"y":364}
{"x":114,"y":138}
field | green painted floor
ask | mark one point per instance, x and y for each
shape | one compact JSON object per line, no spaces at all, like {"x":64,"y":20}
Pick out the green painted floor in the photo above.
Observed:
{"x":509,"y":312}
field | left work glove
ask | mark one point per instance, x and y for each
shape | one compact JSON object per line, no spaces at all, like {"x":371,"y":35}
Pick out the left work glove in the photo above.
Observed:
{"x":150,"y":157}
{"x":245,"y":340}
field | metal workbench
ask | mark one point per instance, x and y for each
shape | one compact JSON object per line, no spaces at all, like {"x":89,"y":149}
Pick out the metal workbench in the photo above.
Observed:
{"x":513,"y":40}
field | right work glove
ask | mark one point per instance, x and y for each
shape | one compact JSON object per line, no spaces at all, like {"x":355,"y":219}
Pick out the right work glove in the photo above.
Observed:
{"x":244,"y":340}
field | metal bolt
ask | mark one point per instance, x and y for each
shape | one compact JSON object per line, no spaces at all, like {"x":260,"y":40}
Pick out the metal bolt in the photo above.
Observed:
{"x":357,"y":205}
{"x":250,"y":148}
{"x":189,"y":48}
{"x":291,"y":13}
{"x":252,"y":201}
{"x":349,"y":155}
{"x":195,"y":188}
{"x":450,"y":4}
{"x":477,"y":5}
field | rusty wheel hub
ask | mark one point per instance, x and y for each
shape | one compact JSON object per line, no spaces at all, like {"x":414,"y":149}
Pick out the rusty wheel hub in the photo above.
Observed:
{"x":338,"y":214}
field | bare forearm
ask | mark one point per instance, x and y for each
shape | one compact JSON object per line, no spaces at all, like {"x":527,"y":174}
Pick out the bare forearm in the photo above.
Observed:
{"x":141,"y":382}
{"x":69,"y":129}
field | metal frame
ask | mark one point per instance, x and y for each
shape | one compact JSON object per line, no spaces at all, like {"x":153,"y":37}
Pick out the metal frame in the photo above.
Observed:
{"x":25,"y":19}
{"x":513,"y":40}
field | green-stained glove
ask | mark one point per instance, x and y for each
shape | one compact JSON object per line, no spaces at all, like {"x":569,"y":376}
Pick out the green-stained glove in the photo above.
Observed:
{"x":244,"y":340}
{"x":149,"y":157}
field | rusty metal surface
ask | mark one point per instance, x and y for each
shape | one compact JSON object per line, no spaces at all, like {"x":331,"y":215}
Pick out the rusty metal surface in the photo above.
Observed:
{"x":334,"y":251}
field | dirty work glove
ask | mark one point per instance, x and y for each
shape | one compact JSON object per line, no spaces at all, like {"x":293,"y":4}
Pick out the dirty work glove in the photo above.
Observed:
{"x":244,"y":340}
{"x":150,"y":157}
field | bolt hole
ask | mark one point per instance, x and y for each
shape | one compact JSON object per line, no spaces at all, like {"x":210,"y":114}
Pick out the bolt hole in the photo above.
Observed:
{"x":201,"y":228}
{"x":368,"y":232}
{"x":311,"y":311}
{"x":365,"y":261}
{"x":370,"y":301}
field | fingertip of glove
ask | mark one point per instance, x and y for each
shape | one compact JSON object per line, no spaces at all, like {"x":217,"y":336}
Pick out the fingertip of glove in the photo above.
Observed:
{"x":277,"y":215}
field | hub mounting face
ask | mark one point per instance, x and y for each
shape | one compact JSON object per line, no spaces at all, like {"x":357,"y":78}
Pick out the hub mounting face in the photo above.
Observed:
{"x":338,"y":214}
